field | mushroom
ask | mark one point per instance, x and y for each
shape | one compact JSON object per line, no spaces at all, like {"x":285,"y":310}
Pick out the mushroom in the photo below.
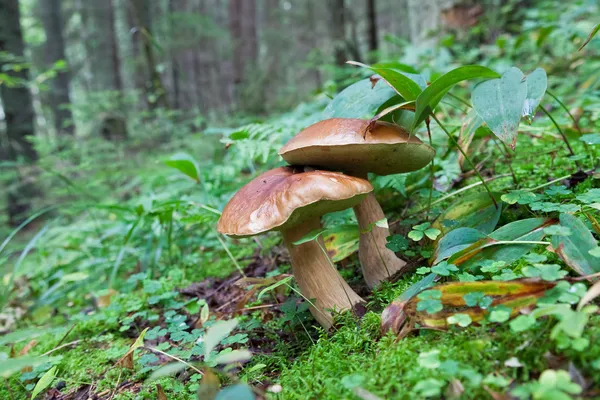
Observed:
{"x":292,"y":201}
{"x":345,"y":144}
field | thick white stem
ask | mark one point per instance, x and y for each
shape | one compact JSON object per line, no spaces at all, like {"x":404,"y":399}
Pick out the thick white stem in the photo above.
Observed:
{"x":316,"y":275}
{"x":377,"y":261}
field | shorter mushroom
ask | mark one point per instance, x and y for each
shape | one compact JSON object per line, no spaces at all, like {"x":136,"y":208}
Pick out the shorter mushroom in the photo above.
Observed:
{"x":292,"y":201}
{"x":351,"y":146}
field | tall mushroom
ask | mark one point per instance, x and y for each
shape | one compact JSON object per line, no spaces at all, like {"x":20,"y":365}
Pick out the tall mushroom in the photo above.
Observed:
{"x":344,"y":144}
{"x":292,"y":201}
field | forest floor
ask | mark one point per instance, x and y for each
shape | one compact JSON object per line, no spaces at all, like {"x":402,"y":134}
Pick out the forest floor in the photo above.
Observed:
{"x":86,"y":333}
{"x":119,"y":287}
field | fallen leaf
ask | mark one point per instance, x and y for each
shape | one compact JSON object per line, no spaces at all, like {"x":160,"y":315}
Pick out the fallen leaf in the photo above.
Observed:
{"x":160,"y":393}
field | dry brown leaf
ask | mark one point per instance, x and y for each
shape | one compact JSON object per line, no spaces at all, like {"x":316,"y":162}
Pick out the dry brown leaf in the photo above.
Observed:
{"x":590,"y":295}
{"x":160,"y":393}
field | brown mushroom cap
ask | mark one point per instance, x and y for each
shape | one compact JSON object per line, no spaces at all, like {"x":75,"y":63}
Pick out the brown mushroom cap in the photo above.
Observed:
{"x":338,"y":144}
{"x":284,"y":197}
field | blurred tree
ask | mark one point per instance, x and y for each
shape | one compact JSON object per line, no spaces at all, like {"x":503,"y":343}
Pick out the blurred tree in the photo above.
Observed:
{"x":242,"y":25}
{"x":18,"y":109}
{"x":337,"y":12}
{"x":101,"y":47}
{"x":98,"y":18}
{"x":372,"y":33}
{"x":54,"y":52}
{"x":139,"y":12}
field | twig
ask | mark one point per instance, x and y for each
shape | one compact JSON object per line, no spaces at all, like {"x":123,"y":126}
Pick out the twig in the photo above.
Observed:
{"x":559,"y":129}
{"x":230,"y":255}
{"x":61,"y":347}
{"x":174,"y":358}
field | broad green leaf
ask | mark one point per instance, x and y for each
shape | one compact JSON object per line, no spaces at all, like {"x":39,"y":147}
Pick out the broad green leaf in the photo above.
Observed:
{"x":310,"y":236}
{"x":341,"y":242}
{"x":574,"y":249}
{"x":405,"y":86}
{"x":45,"y":381}
{"x":531,"y":229}
{"x":455,"y":241}
{"x":474,"y":211}
{"x":232,"y":356}
{"x":185,"y":164}
{"x":499,"y":102}
{"x":238,"y":391}
{"x":537,"y":83}
{"x":359,"y":100}
{"x":430,"y":97}
{"x":217,"y":332}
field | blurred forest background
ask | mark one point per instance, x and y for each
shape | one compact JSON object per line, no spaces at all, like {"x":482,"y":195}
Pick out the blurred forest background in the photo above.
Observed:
{"x":130,"y":69}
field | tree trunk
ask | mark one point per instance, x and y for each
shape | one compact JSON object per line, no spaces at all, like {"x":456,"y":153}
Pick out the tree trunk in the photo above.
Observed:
{"x":425,"y":17}
{"x":242,"y":26}
{"x":338,"y":30}
{"x":102,"y":46}
{"x":54,"y":50}
{"x":372,"y":26}
{"x":18,"y":111}
{"x":154,"y":89}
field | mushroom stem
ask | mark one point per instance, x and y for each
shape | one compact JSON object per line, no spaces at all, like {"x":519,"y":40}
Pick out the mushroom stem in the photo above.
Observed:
{"x":316,"y":275}
{"x":378,"y":262}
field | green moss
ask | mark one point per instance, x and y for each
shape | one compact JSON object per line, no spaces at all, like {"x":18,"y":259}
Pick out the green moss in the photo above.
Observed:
{"x":391,"y":368}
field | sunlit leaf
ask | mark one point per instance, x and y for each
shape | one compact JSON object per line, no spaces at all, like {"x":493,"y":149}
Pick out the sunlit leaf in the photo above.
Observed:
{"x":341,"y":241}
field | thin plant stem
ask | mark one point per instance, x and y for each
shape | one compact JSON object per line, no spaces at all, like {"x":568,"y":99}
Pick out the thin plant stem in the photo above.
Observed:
{"x":431,"y":168}
{"x":466,"y":158}
{"x":460,"y":99}
{"x":559,"y":129}
{"x":519,"y":242}
{"x":504,"y":152}
{"x":547,"y":183}
{"x":239,"y":268}
{"x":564,"y":107}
